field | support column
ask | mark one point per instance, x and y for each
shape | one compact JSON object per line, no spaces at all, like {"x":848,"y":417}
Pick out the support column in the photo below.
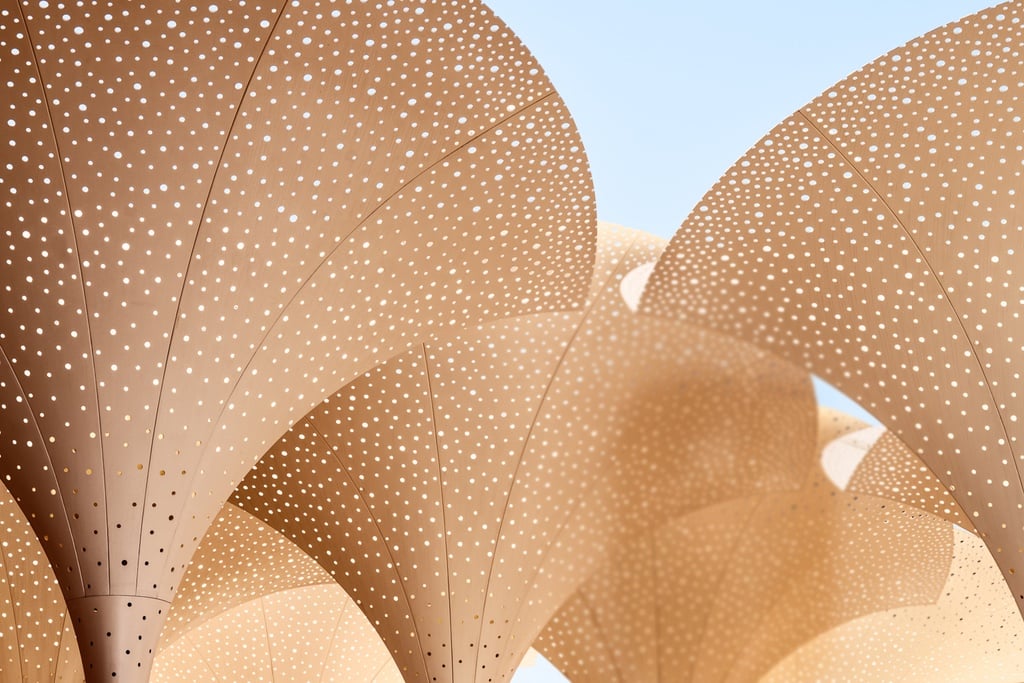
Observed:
{"x":117,"y":635}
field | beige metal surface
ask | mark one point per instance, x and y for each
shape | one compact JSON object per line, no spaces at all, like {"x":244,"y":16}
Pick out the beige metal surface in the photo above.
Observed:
{"x":213,"y":216}
{"x":873,"y":237}
{"x":891,"y":470}
{"x":972,"y":633}
{"x":723,"y":593}
{"x":240,"y":559}
{"x":36,"y":639}
{"x":461,"y":490}
{"x":298,"y":635}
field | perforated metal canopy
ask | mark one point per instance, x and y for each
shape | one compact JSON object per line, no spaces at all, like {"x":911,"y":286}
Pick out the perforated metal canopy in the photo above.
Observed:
{"x":461,"y":490}
{"x":874,"y":237}
{"x":213,"y":216}
{"x":727,"y":591}
{"x":37,"y":641}
{"x":298,"y":635}
{"x":972,"y":633}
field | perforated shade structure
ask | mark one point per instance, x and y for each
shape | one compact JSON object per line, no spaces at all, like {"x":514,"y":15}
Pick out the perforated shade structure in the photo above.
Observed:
{"x":973,"y":632}
{"x":726,"y":592}
{"x":730,"y":591}
{"x":873,"y":237}
{"x":213,"y":216}
{"x":461,"y":490}
{"x":240,"y":560}
{"x":299,"y":635}
{"x":37,"y":641}
{"x":891,"y":470}
{"x":254,"y":607}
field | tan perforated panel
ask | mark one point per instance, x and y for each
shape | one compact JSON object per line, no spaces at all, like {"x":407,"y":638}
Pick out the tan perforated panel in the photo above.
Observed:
{"x":240,"y":559}
{"x":973,"y":633}
{"x":891,"y":470}
{"x":873,"y":237}
{"x":462,"y":489}
{"x":299,"y":635}
{"x":213,"y":216}
{"x":724,"y":593}
{"x":36,"y":643}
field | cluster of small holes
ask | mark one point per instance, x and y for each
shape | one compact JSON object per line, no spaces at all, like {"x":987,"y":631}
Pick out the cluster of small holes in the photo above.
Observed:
{"x":446,"y":489}
{"x":35,"y":641}
{"x":972,"y":633}
{"x":217,"y":214}
{"x":240,"y":559}
{"x":891,"y":470}
{"x":116,"y":634}
{"x":313,"y":633}
{"x":727,"y":591}
{"x":872,"y":238}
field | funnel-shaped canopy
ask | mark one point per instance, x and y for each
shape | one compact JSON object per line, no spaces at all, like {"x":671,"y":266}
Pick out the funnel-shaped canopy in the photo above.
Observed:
{"x":874,"y":237}
{"x":461,"y":490}
{"x":216,"y":215}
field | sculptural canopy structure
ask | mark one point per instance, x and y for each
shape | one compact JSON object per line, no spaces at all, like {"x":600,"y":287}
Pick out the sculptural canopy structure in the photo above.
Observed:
{"x":213,"y":216}
{"x":461,"y":490}
{"x":874,"y":237}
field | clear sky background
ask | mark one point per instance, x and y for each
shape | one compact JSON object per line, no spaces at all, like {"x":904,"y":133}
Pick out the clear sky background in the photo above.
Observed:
{"x":667,"y":95}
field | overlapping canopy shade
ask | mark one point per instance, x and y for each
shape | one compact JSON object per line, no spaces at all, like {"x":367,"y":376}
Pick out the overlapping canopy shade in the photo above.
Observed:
{"x":358,"y":240}
{"x":213,"y":217}
{"x":792,"y":586}
{"x":254,"y":607}
{"x":873,"y":238}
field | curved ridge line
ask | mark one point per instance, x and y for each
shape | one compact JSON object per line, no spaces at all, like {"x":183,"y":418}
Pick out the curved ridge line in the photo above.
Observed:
{"x":762,"y":499}
{"x":587,"y":310}
{"x":383,"y":537}
{"x":604,"y":638}
{"x":974,"y":351}
{"x":334,"y":638}
{"x":85,"y":302}
{"x":266,"y":631}
{"x":184,"y":279}
{"x":793,"y":583}
{"x":206,"y":662}
{"x":257,"y":347}
{"x":53,"y":472}
{"x":14,"y":612}
{"x":444,"y":510}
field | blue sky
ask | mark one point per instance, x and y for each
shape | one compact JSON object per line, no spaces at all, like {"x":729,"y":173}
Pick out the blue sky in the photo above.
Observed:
{"x":667,"y":95}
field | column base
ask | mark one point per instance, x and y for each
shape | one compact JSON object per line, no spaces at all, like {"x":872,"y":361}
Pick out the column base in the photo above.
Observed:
{"x":117,"y":635}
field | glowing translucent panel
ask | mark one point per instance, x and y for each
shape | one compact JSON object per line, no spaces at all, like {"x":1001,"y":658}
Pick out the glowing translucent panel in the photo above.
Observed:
{"x":239,"y":560}
{"x":873,"y":237}
{"x":299,"y":635}
{"x":723,"y":593}
{"x":461,"y":490}
{"x":212,"y":217}
{"x":972,"y":633}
